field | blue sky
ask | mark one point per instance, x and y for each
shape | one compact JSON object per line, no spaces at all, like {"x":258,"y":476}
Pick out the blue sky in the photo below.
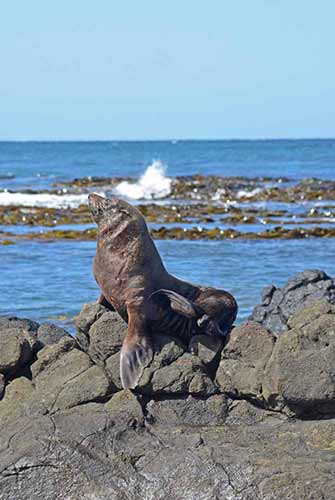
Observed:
{"x":178,"y":69}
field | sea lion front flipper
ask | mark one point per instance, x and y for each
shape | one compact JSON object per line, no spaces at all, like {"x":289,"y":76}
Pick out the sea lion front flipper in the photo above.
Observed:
{"x":134,"y":358}
{"x":178,"y":303}
{"x":136,"y":352}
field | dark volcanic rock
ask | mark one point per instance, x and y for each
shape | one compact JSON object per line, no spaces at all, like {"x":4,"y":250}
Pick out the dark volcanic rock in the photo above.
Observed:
{"x":25,"y":329}
{"x":65,"y":377}
{"x":49,"y":334}
{"x":208,"y":349}
{"x":278,"y":304}
{"x":20,"y":401}
{"x":106,"y":336}
{"x":113,"y":370}
{"x":2,"y":384}
{"x":16,"y":350}
{"x":190,"y":411}
{"x":243,"y":361}
{"x":185,"y":375}
{"x":300,"y":374}
{"x":82,"y":454}
{"x":87,"y":316}
{"x":100,"y":332}
{"x":14,"y":322}
{"x":66,"y":434}
{"x":125,"y":408}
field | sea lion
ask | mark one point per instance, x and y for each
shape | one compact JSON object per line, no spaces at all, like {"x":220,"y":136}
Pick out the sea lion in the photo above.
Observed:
{"x":134,"y":282}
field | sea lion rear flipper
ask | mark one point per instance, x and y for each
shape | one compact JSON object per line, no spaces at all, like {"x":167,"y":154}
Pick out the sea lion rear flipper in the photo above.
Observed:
{"x":178,"y":303}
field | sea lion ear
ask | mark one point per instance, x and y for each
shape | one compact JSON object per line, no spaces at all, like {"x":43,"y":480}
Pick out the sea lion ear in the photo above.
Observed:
{"x":134,"y":358}
{"x":178,"y":303}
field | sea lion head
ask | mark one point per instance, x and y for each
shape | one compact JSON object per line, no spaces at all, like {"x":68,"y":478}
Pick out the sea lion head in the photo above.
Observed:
{"x":112,"y":214}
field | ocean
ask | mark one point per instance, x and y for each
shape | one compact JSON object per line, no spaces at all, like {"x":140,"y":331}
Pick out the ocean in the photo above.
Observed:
{"x":49,"y":280}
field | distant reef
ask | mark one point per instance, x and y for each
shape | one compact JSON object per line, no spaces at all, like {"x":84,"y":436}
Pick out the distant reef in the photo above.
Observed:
{"x":195,"y":207}
{"x":251,"y":418}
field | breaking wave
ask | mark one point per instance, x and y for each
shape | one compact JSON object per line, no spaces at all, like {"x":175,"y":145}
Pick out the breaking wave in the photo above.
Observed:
{"x":248,"y":194}
{"x":153,"y":184}
{"x":43,"y":200}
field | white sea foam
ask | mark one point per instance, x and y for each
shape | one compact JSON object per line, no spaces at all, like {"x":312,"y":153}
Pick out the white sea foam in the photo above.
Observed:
{"x":43,"y":200}
{"x":151,"y":185}
{"x":248,"y":194}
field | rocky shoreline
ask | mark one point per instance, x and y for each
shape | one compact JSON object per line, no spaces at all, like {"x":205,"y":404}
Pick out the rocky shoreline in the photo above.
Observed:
{"x":253,"y":418}
{"x":177,"y":233}
{"x":205,"y":187}
{"x":197,"y":208}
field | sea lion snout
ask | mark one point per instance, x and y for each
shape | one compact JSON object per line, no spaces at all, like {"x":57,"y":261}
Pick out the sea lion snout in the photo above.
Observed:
{"x":113,"y":210}
{"x":95,"y":200}
{"x":99,"y":205}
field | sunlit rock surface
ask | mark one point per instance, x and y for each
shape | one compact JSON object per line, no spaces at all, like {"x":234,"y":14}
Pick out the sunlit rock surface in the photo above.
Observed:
{"x":252,"y":419}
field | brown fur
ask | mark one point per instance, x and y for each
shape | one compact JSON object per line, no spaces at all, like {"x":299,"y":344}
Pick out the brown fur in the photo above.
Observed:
{"x":134,"y":281}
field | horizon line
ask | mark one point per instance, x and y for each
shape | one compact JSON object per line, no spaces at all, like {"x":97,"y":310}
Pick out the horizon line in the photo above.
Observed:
{"x":176,"y":140}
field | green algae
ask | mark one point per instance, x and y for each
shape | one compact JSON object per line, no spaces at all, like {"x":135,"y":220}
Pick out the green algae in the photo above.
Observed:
{"x":41,"y":216}
{"x":196,"y":213}
{"x":193,"y":233}
{"x":7,"y":242}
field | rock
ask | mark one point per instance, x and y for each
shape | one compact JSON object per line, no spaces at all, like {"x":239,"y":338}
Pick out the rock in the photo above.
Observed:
{"x":185,"y":375}
{"x":63,"y":434}
{"x":106,"y":336}
{"x":28,"y":325}
{"x":302,"y":290}
{"x":52,"y":380}
{"x":15,"y":350}
{"x":87,"y":316}
{"x":100,"y":332}
{"x":173,"y":371}
{"x":51,"y":353}
{"x":48,"y":334}
{"x":20,"y":400}
{"x":65,"y":377}
{"x":79,"y":423}
{"x":243,"y":413}
{"x":299,"y":376}
{"x":2,"y":385}
{"x":309,"y":314}
{"x":124,"y":408}
{"x":167,"y":350}
{"x":113,"y":370}
{"x":188,"y":411}
{"x":91,"y":385}
{"x":241,"y":370}
{"x":267,"y":294}
{"x":80,"y":453}
{"x":208,"y":349}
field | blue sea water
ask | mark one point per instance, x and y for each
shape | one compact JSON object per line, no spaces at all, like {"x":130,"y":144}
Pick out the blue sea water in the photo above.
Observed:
{"x":46,"y":281}
{"x":35,"y":163}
